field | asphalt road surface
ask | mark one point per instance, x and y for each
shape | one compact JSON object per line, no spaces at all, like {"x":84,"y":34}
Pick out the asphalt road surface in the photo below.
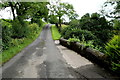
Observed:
{"x":41,"y":59}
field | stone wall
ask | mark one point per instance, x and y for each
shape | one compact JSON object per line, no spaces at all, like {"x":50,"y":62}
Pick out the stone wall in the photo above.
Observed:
{"x":89,"y":53}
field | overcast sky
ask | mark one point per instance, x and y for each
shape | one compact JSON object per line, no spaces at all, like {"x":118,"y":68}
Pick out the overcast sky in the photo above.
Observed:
{"x":81,"y":7}
{"x":86,"y":6}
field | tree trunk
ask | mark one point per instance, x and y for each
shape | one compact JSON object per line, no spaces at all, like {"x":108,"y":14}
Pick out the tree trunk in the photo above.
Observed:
{"x":59,"y":23}
{"x":12,"y":8}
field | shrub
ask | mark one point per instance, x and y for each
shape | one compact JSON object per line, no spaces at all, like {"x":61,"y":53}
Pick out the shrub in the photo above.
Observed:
{"x":40,"y":22}
{"x":33,"y":28}
{"x":53,"y":19}
{"x":85,"y":43}
{"x":73,"y":40}
{"x":98,"y":25}
{"x":74,"y":23}
{"x":64,"y":30}
{"x":17,"y":42}
{"x":6,"y":34}
{"x":71,"y":32}
{"x":0,"y":37}
{"x":103,"y":36}
{"x":116,"y":27}
{"x":116,"y":24}
{"x":19,"y":29}
{"x":113,"y":52}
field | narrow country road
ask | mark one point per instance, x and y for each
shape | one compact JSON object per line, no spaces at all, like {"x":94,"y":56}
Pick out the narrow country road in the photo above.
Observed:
{"x":43,"y":59}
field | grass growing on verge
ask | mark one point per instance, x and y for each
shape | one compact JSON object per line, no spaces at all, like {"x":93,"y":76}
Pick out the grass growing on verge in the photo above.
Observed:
{"x":55,"y":33}
{"x":13,"y":50}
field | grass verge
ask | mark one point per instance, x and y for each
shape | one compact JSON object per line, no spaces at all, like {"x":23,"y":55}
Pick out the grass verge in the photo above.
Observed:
{"x":55,"y":33}
{"x":13,"y":50}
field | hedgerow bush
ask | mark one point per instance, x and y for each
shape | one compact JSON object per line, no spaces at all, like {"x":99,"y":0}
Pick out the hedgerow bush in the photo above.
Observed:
{"x":113,"y":52}
{"x":40,"y":22}
{"x":33,"y":28}
{"x":74,"y":32}
{"x":6,"y":34}
{"x":99,"y":26}
{"x":74,"y":23}
{"x":19,"y":29}
{"x":37,"y":21}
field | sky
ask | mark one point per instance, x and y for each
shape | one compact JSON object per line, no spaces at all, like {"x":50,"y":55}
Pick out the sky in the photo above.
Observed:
{"x":81,"y":7}
{"x":86,"y":6}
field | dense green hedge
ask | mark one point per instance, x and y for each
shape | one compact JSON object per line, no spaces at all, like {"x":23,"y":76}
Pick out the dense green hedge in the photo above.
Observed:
{"x":6,"y":34}
{"x":34,"y":28}
{"x":96,"y":32}
{"x":20,"y":29}
{"x":73,"y":32}
{"x":13,"y":40}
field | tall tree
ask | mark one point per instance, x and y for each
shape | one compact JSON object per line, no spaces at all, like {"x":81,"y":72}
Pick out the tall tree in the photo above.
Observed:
{"x":53,"y":19}
{"x":98,"y":25}
{"x":27,"y":10}
{"x":111,"y":9}
{"x":63,"y":9}
{"x":23,"y":11}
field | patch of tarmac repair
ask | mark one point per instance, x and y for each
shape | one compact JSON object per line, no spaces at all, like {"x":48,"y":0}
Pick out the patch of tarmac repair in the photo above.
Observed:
{"x":30,"y":70}
{"x":42,"y":70}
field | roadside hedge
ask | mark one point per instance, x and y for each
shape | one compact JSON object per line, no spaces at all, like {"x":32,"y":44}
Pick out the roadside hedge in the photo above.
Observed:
{"x":74,"y":32}
{"x":6,"y":34}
